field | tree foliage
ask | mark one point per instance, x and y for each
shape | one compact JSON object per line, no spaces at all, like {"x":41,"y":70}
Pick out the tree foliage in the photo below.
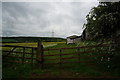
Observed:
{"x":103,"y":21}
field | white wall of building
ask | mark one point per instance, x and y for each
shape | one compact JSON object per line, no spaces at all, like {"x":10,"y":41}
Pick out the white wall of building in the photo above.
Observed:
{"x":69,"y":40}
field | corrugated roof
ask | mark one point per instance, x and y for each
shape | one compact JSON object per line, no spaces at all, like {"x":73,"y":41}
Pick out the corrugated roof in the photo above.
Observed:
{"x":73,"y":37}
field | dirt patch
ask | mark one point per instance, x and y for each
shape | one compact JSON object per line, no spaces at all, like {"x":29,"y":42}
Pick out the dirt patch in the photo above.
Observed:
{"x":44,"y":75}
{"x":50,"y":74}
{"x":65,"y":74}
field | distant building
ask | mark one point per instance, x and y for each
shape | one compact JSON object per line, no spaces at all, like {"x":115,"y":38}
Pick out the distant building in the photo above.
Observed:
{"x":74,"y":39}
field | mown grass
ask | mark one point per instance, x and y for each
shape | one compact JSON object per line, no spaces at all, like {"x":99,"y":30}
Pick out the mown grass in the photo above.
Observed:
{"x":34,"y":44}
{"x":65,"y":70}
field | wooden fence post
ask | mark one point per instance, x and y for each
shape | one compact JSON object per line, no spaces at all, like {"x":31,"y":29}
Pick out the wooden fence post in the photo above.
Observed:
{"x":23,"y":57}
{"x":60,"y":58}
{"x":39,"y":55}
{"x":79,"y":56}
{"x":32,"y":56}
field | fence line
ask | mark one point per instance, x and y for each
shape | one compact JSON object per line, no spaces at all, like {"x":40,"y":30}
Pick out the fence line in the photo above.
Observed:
{"x":38,"y":58}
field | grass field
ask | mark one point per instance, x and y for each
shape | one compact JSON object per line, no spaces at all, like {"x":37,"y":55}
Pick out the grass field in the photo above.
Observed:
{"x":34,"y":44}
{"x":53,"y":71}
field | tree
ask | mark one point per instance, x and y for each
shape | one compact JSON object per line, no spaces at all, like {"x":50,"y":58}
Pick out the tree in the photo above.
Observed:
{"x":103,"y":21}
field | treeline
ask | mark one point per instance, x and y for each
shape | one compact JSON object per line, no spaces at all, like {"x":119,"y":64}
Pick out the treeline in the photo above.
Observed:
{"x":31,"y":39}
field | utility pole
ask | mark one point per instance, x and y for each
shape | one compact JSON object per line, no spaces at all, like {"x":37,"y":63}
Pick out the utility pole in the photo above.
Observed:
{"x":52,"y":33}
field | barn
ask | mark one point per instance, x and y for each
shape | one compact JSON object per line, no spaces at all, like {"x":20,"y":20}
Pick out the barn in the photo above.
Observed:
{"x":85,"y":35}
{"x":74,"y":39}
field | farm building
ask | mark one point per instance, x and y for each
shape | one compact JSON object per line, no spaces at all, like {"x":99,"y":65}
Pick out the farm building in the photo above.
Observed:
{"x":73,"y":39}
{"x":85,"y":35}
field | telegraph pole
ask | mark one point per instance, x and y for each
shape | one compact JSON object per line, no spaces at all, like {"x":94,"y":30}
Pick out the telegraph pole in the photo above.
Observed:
{"x":52,"y":33}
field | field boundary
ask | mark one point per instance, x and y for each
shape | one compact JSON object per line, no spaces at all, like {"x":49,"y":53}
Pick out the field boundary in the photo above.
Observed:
{"x":37,"y":55}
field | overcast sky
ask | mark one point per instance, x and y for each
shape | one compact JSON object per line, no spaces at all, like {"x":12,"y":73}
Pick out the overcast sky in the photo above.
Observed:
{"x":41,"y":18}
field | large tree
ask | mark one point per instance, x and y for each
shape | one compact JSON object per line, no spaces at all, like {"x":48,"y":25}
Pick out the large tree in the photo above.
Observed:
{"x":103,"y":21}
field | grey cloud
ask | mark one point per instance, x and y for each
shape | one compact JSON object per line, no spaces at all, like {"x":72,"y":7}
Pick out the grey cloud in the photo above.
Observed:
{"x":40,"y":19}
{"x":0,"y":19}
{"x":50,"y":0}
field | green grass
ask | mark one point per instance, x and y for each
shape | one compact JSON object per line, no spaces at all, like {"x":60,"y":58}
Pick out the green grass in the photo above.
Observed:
{"x":14,"y":71}
{"x":73,"y":70}
{"x":33,"y":44}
